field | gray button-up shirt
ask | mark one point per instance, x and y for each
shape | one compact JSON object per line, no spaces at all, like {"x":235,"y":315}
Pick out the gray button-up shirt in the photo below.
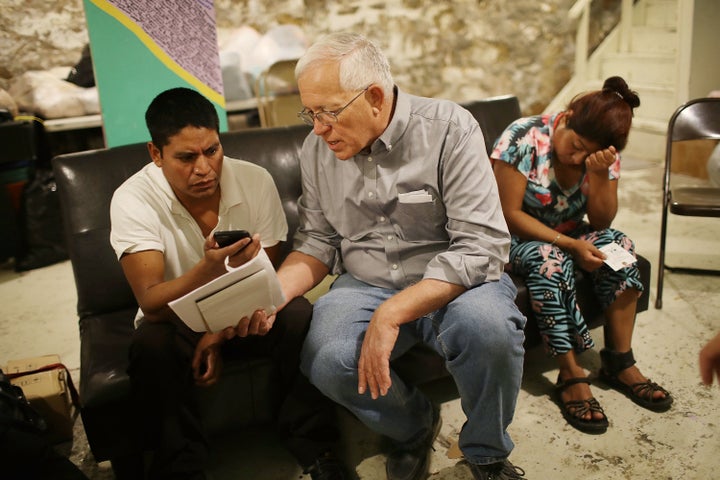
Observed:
{"x":421,"y":203}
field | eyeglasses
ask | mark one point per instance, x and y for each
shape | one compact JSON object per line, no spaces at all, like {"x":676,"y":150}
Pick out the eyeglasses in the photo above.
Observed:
{"x":326,"y":118}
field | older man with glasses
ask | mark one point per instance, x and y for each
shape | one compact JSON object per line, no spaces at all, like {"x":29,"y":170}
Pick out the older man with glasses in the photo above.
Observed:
{"x":400,"y":201}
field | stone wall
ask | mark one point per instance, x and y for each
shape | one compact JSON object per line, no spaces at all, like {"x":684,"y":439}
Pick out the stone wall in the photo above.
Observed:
{"x":38,"y":35}
{"x":460,"y":50}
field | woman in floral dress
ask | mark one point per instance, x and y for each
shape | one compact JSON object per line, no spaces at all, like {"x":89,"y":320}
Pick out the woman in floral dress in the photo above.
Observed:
{"x":558,"y":178}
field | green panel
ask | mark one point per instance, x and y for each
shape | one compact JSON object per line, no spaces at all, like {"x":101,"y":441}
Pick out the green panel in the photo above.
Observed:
{"x":128,"y":76}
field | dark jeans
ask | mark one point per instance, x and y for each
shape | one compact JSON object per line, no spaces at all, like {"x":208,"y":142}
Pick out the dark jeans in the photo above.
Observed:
{"x":163,"y":391}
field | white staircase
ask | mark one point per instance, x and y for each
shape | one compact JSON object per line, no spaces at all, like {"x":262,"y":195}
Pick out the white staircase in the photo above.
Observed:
{"x":645,"y":52}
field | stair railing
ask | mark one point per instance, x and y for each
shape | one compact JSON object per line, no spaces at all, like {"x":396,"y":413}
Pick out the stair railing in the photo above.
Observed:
{"x":581,"y":10}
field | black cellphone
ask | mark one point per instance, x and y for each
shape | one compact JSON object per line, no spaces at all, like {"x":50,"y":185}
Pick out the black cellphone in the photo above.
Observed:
{"x":228,"y":237}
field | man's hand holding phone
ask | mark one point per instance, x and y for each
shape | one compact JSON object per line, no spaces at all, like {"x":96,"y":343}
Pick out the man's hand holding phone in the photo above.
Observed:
{"x":240,"y":245}
{"x":226,"y":238}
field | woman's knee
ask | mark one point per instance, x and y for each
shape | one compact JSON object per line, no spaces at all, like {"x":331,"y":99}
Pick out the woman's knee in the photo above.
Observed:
{"x":610,"y":235}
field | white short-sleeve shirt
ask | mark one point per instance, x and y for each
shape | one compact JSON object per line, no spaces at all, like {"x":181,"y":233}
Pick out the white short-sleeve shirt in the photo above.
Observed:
{"x":146,"y":215}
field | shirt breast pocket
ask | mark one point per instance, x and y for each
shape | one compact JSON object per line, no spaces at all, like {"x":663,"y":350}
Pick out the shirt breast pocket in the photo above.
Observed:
{"x":417,"y":222}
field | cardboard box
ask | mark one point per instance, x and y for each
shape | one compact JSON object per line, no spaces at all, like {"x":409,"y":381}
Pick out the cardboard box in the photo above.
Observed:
{"x":47,"y":392}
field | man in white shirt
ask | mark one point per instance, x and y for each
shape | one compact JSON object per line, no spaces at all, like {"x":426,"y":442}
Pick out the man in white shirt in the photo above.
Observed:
{"x":163,"y":220}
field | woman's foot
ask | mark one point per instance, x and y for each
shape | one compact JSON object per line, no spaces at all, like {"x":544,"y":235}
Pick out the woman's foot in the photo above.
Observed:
{"x":576,"y":392}
{"x":578,"y":406}
{"x":632,"y":376}
{"x":619,"y":371}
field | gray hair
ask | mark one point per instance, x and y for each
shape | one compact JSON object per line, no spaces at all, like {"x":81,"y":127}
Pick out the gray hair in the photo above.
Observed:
{"x":361,"y":62}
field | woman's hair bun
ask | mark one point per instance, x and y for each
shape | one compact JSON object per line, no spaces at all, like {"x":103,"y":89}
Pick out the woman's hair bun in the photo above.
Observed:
{"x":620,"y":87}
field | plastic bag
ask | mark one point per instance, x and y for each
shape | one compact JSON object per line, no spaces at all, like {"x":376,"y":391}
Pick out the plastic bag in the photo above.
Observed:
{"x":49,"y":96}
{"x":41,"y":224}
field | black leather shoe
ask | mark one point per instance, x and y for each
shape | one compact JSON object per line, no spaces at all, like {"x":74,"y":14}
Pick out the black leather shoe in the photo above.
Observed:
{"x":411,"y":462}
{"x":327,"y":467}
{"x":497,"y":471}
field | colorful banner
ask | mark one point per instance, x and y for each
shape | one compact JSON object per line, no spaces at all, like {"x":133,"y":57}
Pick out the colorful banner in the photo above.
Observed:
{"x":143,"y":47}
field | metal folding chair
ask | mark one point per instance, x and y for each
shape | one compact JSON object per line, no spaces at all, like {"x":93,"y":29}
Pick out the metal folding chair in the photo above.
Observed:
{"x":695,"y":120}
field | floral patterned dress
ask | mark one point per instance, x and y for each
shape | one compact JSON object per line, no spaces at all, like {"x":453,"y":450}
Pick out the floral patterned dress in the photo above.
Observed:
{"x":548,"y":271}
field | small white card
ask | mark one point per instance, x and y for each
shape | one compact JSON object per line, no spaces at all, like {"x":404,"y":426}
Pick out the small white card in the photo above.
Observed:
{"x":616,"y":256}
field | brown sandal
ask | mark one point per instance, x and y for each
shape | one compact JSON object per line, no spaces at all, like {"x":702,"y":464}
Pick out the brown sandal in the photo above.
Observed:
{"x":642,"y":393}
{"x":575,"y":410}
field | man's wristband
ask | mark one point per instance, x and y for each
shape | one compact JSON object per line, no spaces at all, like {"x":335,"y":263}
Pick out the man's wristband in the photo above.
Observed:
{"x":557,"y":237}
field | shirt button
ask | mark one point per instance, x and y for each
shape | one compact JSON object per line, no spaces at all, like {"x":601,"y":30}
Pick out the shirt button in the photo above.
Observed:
{"x":369,"y":159}
{"x":389,"y":237}
{"x":381,"y":219}
{"x":371,"y":195}
{"x":394,"y":266}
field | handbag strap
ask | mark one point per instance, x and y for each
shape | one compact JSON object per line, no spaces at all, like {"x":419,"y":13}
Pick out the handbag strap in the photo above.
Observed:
{"x":53,"y":366}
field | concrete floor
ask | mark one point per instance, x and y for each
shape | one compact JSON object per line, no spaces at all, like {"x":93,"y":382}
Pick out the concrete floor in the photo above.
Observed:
{"x":39,"y":318}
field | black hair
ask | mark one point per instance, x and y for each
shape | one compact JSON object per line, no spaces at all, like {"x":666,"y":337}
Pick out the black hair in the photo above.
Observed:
{"x":175,"y":109}
{"x":604,"y":116}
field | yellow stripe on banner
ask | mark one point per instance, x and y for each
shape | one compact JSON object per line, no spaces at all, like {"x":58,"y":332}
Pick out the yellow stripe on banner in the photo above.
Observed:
{"x":117,"y":14}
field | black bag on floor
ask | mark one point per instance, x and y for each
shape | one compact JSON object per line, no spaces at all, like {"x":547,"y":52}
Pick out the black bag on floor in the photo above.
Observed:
{"x":41,"y":224}
{"x":10,"y":238}
{"x":15,"y":409}
{"x":25,"y":452}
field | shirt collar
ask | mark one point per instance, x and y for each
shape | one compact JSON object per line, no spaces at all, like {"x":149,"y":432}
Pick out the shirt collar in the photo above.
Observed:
{"x":156,"y":175}
{"x":551,"y":123}
{"x":397,"y":126}
{"x":231,"y":193}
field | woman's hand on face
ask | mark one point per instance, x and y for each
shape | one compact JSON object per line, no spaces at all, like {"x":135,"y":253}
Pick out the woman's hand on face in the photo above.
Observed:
{"x":601,"y":160}
{"x":587,"y":255}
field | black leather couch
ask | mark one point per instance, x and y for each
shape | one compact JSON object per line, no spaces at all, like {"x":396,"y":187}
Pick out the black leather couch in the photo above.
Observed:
{"x":106,"y":306}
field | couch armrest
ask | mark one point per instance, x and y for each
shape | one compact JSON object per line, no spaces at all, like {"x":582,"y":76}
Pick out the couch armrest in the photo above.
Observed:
{"x":104,"y":343}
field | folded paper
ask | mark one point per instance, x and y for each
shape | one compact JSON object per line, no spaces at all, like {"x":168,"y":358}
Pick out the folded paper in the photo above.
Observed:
{"x":227,"y":299}
{"x":417,"y":196}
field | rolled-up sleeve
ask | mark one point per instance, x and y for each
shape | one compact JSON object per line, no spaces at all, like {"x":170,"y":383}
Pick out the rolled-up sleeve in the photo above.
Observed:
{"x":479,"y":238}
{"x":315,"y":236}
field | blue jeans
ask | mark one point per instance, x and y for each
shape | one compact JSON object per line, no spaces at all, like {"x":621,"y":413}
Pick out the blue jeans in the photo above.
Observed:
{"x":479,"y":334}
